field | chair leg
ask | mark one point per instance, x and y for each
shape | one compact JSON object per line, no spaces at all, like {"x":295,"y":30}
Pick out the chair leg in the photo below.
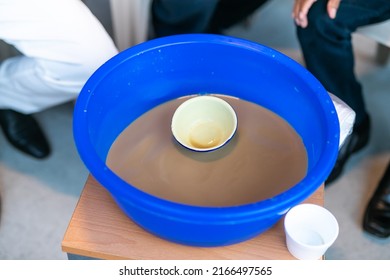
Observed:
{"x":382,"y":54}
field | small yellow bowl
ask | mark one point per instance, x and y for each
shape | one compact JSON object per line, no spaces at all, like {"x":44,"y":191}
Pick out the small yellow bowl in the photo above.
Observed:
{"x":204,"y":123}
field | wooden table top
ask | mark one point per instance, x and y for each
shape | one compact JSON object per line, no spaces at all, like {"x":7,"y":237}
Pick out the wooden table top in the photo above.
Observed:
{"x":99,"y":229}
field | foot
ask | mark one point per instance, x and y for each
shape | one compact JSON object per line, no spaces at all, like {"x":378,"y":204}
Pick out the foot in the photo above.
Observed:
{"x":353,"y":143}
{"x":377,"y":215}
{"x":24,"y":133}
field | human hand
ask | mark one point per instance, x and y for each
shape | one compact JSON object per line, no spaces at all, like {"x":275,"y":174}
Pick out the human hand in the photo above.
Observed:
{"x":302,"y":7}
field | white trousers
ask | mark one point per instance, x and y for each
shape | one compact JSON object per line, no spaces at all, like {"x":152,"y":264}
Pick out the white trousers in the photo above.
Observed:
{"x":62,"y":45}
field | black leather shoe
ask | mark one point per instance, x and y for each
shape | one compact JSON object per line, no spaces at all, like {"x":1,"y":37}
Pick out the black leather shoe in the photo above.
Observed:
{"x":24,"y":133}
{"x":377,"y":215}
{"x":356,"y":141}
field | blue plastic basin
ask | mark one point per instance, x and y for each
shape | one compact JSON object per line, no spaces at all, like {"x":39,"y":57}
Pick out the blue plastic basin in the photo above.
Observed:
{"x":154,"y":72}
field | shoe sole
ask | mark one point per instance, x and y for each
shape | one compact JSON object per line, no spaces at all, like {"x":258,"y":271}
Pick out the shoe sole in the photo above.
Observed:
{"x":371,"y":230}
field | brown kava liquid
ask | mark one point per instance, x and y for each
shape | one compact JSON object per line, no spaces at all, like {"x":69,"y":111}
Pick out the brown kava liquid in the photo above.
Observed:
{"x":264,"y":158}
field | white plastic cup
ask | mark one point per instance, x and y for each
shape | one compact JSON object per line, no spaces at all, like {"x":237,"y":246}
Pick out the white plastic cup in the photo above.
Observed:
{"x":310,"y":231}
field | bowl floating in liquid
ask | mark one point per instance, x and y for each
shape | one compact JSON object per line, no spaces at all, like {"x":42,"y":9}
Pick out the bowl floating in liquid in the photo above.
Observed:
{"x":204,"y":123}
